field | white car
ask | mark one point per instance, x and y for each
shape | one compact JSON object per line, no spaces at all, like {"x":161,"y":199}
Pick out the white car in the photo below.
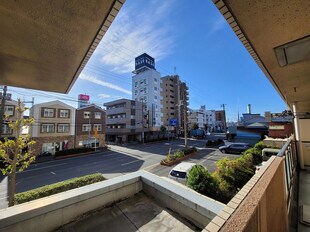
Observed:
{"x":180,"y":172}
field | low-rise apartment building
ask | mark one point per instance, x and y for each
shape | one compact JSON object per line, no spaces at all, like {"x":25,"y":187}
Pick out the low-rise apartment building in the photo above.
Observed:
{"x":90,"y":126}
{"x":124,"y":121}
{"x":10,"y":115}
{"x":54,"y":126}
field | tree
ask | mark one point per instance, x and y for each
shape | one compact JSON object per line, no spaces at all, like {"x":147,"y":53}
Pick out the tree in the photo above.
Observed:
{"x":201,"y":180}
{"x":16,"y":153}
{"x":195,"y":126}
{"x":163,"y":130}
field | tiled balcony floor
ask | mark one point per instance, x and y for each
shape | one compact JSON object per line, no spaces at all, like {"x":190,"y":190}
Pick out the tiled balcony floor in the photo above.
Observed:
{"x":304,"y":195}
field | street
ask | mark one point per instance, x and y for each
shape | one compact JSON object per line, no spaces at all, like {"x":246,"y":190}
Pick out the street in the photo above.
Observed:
{"x":116,"y":161}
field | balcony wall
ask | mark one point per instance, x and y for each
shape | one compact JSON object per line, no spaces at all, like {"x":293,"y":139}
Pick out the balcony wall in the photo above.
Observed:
{"x":265,"y":202}
{"x":49,"y":213}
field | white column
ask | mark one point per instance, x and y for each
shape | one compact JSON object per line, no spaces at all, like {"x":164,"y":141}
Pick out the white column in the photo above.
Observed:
{"x":297,"y":136}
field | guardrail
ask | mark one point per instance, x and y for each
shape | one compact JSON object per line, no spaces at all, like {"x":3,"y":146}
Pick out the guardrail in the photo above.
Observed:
{"x":288,"y":151}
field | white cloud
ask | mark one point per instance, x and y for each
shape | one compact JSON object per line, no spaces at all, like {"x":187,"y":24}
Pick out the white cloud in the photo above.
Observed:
{"x":133,"y":33}
{"x":103,"y":95}
{"x":97,"y":81}
{"x":219,"y":24}
{"x":107,"y":96}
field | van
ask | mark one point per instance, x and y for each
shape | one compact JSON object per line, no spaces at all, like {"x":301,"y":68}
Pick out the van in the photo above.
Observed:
{"x":180,"y":172}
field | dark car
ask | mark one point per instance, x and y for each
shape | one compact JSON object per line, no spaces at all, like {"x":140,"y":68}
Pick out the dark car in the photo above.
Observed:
{"x":237,"y":148}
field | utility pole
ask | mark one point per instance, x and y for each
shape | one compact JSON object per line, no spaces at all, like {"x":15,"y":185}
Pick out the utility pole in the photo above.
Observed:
{"x":185,"y":122}
{"x":32,"y":101}
{"x":89,"y":129}
{"x":2,"y":109}
{"x":142,"y":122}
{"x":223,"y":105}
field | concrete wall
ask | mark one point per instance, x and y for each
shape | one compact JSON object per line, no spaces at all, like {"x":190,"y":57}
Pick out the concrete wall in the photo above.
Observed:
{"x":191,"y":205}
{"x":49,"y":213}
{"x":260,"y":205}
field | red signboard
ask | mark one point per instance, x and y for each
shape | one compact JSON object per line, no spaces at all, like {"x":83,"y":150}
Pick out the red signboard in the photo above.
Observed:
{"x":84,"y":97}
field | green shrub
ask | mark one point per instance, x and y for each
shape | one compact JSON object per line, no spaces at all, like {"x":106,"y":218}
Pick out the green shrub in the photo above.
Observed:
{"x":256,"y":154}
{"x":178,"y":154}
{"x":73,"y":151}
{"x":190,"y":150}
{"x":200,"y":180}
{"x":260,"y":145}
{"x":229,"y":177}
{"x":66,"y":185}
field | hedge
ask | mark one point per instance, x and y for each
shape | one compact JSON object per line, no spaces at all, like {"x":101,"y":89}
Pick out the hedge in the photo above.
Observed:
{"x":62,"y":186}
{"x":74,"y":151}
{"x":179,"y":154}
{"x":229,"y":177}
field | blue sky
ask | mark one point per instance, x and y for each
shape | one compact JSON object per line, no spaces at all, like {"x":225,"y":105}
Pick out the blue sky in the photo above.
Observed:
{"x":191,"y":36}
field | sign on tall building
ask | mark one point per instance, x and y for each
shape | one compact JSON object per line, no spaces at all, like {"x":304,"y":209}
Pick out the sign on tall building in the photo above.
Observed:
{"x":83,"y":100}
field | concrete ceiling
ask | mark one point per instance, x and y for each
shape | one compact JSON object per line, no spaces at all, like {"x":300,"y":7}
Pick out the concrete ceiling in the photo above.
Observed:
{"x":266,"y":24}
{"x":45,"y":44}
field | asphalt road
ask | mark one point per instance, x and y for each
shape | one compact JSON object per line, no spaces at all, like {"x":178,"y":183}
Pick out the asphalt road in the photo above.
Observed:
{"x":116,"y":161}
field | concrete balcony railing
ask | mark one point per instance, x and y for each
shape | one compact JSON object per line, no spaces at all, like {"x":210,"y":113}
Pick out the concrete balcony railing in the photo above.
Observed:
{"x":266,"y":202}
{"x":165,"y":198}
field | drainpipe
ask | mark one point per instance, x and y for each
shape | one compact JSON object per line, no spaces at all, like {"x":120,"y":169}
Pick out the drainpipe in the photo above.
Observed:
{"x":296,"y":129}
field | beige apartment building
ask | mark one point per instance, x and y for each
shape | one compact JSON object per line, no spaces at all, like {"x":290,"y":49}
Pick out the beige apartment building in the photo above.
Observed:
{"x":54,"y":126}
{"x":175,"y":97}
{"x":124,"y":121}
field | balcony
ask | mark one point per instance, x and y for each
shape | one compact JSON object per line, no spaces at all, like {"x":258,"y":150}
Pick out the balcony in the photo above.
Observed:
{"x":135,"y":201}
{"x":268,"y":201}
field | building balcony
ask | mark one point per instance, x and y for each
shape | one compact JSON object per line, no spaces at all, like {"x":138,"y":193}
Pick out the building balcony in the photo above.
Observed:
{"x":148,"y":201}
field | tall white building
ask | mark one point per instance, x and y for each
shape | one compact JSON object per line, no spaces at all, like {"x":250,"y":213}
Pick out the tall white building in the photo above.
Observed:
{"x":211,"y":120}
{"x":146,"y":87}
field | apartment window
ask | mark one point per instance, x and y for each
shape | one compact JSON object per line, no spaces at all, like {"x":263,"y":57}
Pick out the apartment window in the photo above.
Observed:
{"x":86,"y":114}
{"x":155,"y":79}
{"x":136,"y":92}
{"x":9,"y":110}
{"x":63,"y":128}
{"x":155,"y":88}
{"x":86,"y":127}
{"x":47,"y":128}
{"x":48,"y":113}
{"x":155,"y":97}
{"x":64,"y":114}
{"x":136,"y":84}
{"x":97,"y":115}
{"x":6,"y":129}
{"x":97,"y":127}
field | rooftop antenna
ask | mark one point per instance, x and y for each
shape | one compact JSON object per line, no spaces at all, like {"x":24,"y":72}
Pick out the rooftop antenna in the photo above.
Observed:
{"x":175,"y":70}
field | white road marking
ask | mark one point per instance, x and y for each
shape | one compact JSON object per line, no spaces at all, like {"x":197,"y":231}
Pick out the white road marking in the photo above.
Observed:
{"x":35,"y":169}
{"x":130,"y":162}
{"x":53,"y":173}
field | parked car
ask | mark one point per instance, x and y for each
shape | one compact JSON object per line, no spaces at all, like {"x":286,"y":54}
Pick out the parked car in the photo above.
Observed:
{"x":237,"y":148}
{"x":180,"y":172}
{"x":45,"y":153}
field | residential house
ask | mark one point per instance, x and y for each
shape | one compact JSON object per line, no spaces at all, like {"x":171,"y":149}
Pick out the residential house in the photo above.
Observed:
{"x":54,"y":126}
{"x":90,"y":126}
{"x":280,"y":124}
